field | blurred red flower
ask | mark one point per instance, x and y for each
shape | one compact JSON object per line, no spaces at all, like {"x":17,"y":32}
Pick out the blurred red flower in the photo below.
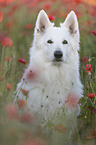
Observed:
{"x":51,"y":17}
{"x":9,"y":87}
{"x":8,"y":25}
{"x":1,"y":16}
{"x":7,"y":42}
{"x":94,"y":32}
{"x":84,"y":59}
{"x":21,"y":103}
{"x":47,"y":6}
{"x":89,"y":22}
{"x":25,"y":92}
{"x":28,"y":26}
{"x":92,"y":134}
{"x":2,"y":78}
{"x":11,"y":111}
{"x":22,"y":60}
{"x":8,"y":58}
{"x":30,"y":75}
{"x":72,"y":101}
{"x":26,"y":117}
{"x":33,"y":142}
{"x":78,"y":1}
{"x":14,"y":8}
{"x":92,"y":95}
{"x":60,"y":128}
{"x":88,"y":67}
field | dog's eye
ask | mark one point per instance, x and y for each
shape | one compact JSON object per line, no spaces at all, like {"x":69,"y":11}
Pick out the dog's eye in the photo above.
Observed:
{"x":65,"y":42}
{"x":50,"y":41}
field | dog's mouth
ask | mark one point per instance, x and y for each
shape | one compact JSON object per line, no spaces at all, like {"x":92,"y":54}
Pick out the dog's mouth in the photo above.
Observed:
{"x":57,"y":60}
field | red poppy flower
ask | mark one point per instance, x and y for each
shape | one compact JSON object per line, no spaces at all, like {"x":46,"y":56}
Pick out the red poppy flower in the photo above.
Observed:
{"x":7,"y":42}
{"x":25,"y":92}
{"x":88,"y":67}
{"x":47,"y":6}
{"x":60,"y":128}
{"x":77,"y":1}
{"x":1,"y":16}
{"x":8,"y":25}
{"x":9,"y":87}
{"x":51,"y":17}
{"x":30,"y":75}
{"x":22,"y":60}
{"x":92,"y":95}
{"x":2,"y":78}
{"x":94,"y":32}
{"x":72,"y":101}
{"x":8,"y":58}
{"x":26,"y":117}
{"x":21,"y":103}
{"x":28,"y":26}
{"x":9,"y":1}
{"x":11,"y":111}
{"x":84,"y":59}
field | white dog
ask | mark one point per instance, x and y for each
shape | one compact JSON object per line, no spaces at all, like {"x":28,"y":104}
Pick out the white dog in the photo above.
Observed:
{"x":52,"y":78}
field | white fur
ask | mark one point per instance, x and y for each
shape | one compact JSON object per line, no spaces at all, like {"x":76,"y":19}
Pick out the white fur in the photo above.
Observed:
{"x":57,"y":80}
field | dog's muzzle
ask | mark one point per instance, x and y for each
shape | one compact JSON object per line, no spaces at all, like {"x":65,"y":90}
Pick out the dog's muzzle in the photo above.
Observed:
{"x":58,"y":55}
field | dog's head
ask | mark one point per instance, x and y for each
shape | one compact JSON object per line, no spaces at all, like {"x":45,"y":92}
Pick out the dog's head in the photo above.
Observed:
{"x":56,"y":43}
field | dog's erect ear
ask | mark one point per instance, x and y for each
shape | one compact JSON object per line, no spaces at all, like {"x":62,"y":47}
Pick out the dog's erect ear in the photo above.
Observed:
{"x":71,"y":22}
{"x":42,"y":22}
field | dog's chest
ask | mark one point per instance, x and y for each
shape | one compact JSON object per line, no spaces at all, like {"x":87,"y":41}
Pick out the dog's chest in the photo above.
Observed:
{"x":51,"y":92}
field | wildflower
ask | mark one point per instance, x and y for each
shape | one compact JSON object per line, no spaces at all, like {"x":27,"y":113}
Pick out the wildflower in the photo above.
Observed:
{"x":88,"y":67}
{"x":2,"y":78}
{"x":94,"y":32}
{"x":92,"y":13}
{"x":72,"y":101}
{"x":21,"y":103}
{"x":33,"y":142}
{"x":22,"y":60}
{"x":25,"y":92}
{"x":1,"y":16}
{"x":9,"y":87}
{"x":92,"y":95}
{"x":89,"y":22}
{"x":9,"y":1}
{"x":47,"y":6}
{"x":54,"y":0}
{"x":8,"y":58}
{"x":14,"y":8}
{"x":8,"y":24}
{"x":7,"y":42}
{"x":28,"y":26}
{"x":30,"y":75}
{"x":51,"y":17}
{"x":84,"y":59}
{"x":26,"y":117}
{"x":92,"y":134}
{"x":60,"y":128}
{"x":11,"y":111}
{"x":77,"y":1}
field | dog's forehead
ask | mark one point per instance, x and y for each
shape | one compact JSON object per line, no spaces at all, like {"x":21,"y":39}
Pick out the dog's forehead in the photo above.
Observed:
{"x":57,"y":32}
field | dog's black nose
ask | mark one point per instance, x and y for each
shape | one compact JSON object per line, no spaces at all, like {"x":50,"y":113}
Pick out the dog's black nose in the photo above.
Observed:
{"x":58,"y":54}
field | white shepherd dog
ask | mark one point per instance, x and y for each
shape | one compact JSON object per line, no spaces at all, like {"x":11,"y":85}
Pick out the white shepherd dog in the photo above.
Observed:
{"x":52,"y":79}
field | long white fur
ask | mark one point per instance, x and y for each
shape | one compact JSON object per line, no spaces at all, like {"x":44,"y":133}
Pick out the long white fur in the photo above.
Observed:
{"x":55,"y":81}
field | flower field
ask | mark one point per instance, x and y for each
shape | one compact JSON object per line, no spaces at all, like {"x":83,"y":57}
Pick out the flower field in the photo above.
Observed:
{"x":17,"y":22}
